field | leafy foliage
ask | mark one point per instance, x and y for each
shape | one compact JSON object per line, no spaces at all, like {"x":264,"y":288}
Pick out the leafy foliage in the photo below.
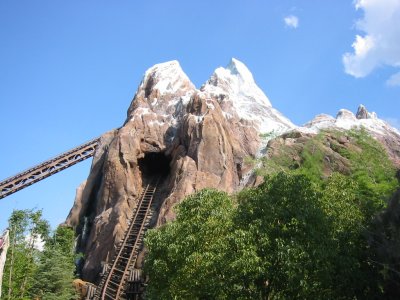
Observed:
{"x":373,"y":171}
{"x":287,"y":224}
{"x":199,"y":256}
{"x":289,"y":238}
{"x":54,"y":274}
{"x":313,"y":159}
{"x":368,"y":161}
{"x":32,"y":271}
{"x":27,"y":229}
{"x":384,"y":241}
{"x":351,"y":273}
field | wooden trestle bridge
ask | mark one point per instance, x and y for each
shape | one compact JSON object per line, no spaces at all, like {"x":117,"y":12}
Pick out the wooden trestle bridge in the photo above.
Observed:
{"x":120,"y":280}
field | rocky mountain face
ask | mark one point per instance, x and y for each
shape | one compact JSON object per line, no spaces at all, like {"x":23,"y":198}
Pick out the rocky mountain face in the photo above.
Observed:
{"x":191,"y":139}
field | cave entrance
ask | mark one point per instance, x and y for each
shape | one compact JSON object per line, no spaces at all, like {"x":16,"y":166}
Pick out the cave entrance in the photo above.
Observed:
{"x":154,"y":164}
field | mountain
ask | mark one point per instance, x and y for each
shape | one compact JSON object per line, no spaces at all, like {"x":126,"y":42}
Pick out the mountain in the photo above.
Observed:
{"x":240,"y":97}
{"x":191,"y":139}
{"x":198,"y":138}
{"x":346,"y":120}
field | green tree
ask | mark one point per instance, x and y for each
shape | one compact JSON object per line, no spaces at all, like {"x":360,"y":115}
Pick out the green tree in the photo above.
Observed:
{"x":289,"y":238}
{"x":291,"y":234}
{"x":199,"y":256}
{"x":27,"y":230}
{"x":384,"y":241}
{"x":344,"y":206}
{"x":55,"y":271}
{"x":32,"y":271}
{"x":310,"y":237}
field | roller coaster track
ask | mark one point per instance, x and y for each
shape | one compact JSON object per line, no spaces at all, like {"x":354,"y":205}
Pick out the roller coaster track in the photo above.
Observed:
{"x":47,"y":168}
{"x":113,"y":284}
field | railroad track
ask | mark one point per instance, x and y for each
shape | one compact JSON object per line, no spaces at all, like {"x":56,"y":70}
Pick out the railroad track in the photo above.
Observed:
{"x":39,"y":172}
{"x":113,"y":283}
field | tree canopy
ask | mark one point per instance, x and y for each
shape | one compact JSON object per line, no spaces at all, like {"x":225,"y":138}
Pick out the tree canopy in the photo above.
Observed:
{"x":289,"y":238}
{"x":39,"y":265}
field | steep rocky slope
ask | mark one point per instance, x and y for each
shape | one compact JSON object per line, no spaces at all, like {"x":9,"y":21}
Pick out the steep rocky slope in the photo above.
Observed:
{"x":192,"y":138}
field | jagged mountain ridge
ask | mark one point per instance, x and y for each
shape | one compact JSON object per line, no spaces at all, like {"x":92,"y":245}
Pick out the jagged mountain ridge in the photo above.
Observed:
{"x":205,"y":134}
{"x":241,"y":97}
{"x":346,"y":120}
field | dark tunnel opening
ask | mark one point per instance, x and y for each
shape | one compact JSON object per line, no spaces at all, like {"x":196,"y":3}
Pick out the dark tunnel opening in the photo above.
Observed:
{"x":154,"y":164}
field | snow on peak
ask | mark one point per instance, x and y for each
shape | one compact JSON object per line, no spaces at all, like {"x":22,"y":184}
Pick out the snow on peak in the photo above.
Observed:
{"x":239,"y":95}
{"x":362,"y":113}
{"x":345,"y":114}
{"x":166,"y":90}
{"x":166,"y":77}
{"x":162,"y":95}
{"x":237,"y":81}
{"x":320,"y":121}
{"x":345,"y":119}
{"x":238,"y":68}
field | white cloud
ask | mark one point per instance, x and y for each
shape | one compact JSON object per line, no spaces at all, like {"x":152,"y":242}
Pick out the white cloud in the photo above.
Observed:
{"x":394,"y":80}
{"x":380,"y":43}
{"x":38,"y":242}
{"x":291,"y":21}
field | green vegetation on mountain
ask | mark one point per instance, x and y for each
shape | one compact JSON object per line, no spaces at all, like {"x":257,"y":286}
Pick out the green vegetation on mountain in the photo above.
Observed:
{"x":354,"y":153}
{"x":305,"y":233}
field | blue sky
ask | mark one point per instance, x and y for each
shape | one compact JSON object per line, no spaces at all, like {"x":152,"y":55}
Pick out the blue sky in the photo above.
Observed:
{"x":69,"y":69}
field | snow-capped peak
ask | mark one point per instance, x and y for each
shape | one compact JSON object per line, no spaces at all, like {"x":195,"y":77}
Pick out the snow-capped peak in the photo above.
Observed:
{"x":345,"y":119}
{"x":239,"y":95}
{"x":166,"y":77}
{"x":345,"y":115}
{"x":238,"y":68}
{"x":236,"y":80}
{"x":362,"y":113}
{"x":165,"y":92}
{"x":162,"y":95}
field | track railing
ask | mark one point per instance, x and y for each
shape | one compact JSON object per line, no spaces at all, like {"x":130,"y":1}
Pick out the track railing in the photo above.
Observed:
{"x":113,"y":284}
{"x":47,"y":168}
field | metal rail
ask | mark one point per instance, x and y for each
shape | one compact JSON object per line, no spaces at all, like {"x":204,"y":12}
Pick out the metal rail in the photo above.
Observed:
{"x":112,"y":285}
{"x":47,"y":168}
